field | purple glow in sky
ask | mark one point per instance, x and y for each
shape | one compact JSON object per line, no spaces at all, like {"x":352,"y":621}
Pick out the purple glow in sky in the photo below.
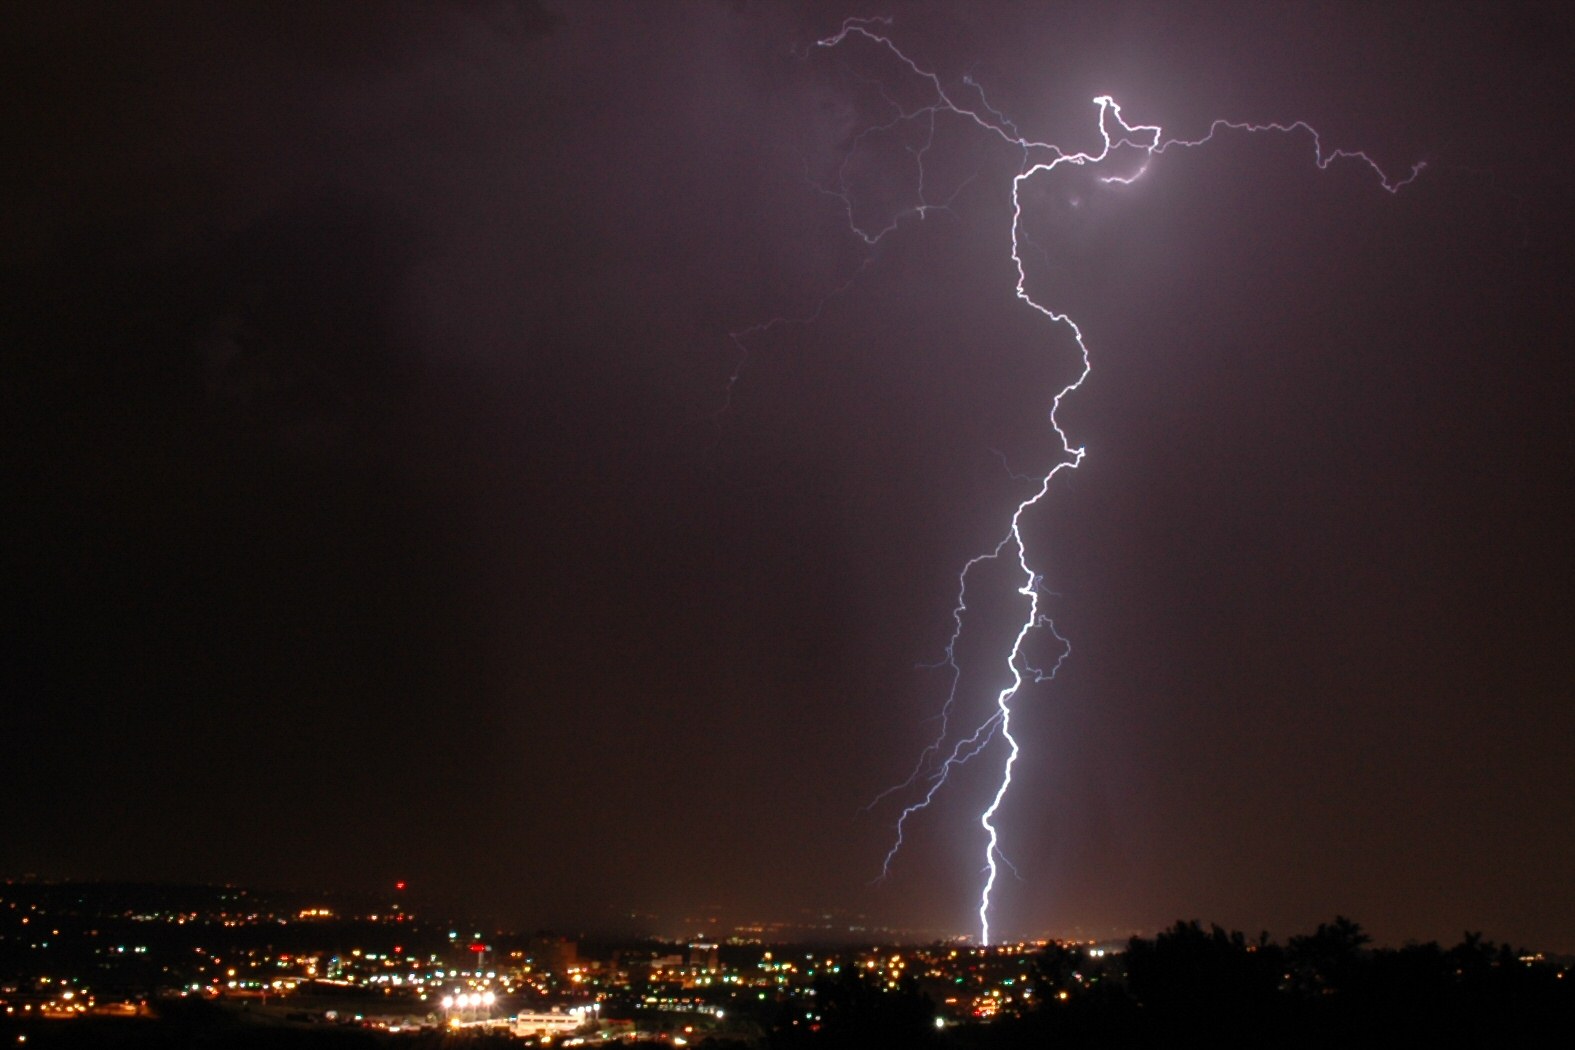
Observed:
{"x":1141,"y":144}
{"x":369,"y":504}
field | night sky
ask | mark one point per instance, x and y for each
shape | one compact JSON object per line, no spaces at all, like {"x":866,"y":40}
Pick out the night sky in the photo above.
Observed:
{"x":372,"y":511}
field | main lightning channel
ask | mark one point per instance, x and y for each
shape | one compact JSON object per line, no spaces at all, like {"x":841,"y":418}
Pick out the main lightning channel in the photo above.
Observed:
{"x":937,"y":761}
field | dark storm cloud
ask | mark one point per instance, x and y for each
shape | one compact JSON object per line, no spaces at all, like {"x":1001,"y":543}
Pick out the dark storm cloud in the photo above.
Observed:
{"x":372,"y":515}
{"x":220,"y":521}
{"x":338,"y":416}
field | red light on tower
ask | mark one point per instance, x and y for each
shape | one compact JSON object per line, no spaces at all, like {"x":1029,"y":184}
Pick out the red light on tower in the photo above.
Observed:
{"x":400,"y":885}
{"x":478,"y":947}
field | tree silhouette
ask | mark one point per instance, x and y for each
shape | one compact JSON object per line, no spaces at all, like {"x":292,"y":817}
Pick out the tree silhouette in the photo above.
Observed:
{"x":1212,"y":985}
{"x":854,"y":1010}
{"x":1331,"y":959}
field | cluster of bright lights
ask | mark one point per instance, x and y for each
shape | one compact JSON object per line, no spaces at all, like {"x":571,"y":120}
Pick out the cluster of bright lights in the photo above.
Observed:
{"x":1138,"y":142}
{"x":469,"y":1000}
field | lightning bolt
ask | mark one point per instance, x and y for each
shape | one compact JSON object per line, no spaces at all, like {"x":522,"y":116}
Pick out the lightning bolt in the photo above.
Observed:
{"x":1147,"y":142}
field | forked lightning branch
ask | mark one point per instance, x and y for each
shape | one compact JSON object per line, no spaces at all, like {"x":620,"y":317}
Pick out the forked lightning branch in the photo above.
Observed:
{"x":1129,"y":151}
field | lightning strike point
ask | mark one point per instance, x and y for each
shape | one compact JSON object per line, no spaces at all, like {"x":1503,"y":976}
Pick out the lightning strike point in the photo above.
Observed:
{"x":951,"y":747}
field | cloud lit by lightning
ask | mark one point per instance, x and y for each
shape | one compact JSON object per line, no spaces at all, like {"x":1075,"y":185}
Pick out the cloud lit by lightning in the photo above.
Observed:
{"x":953,"y":746}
